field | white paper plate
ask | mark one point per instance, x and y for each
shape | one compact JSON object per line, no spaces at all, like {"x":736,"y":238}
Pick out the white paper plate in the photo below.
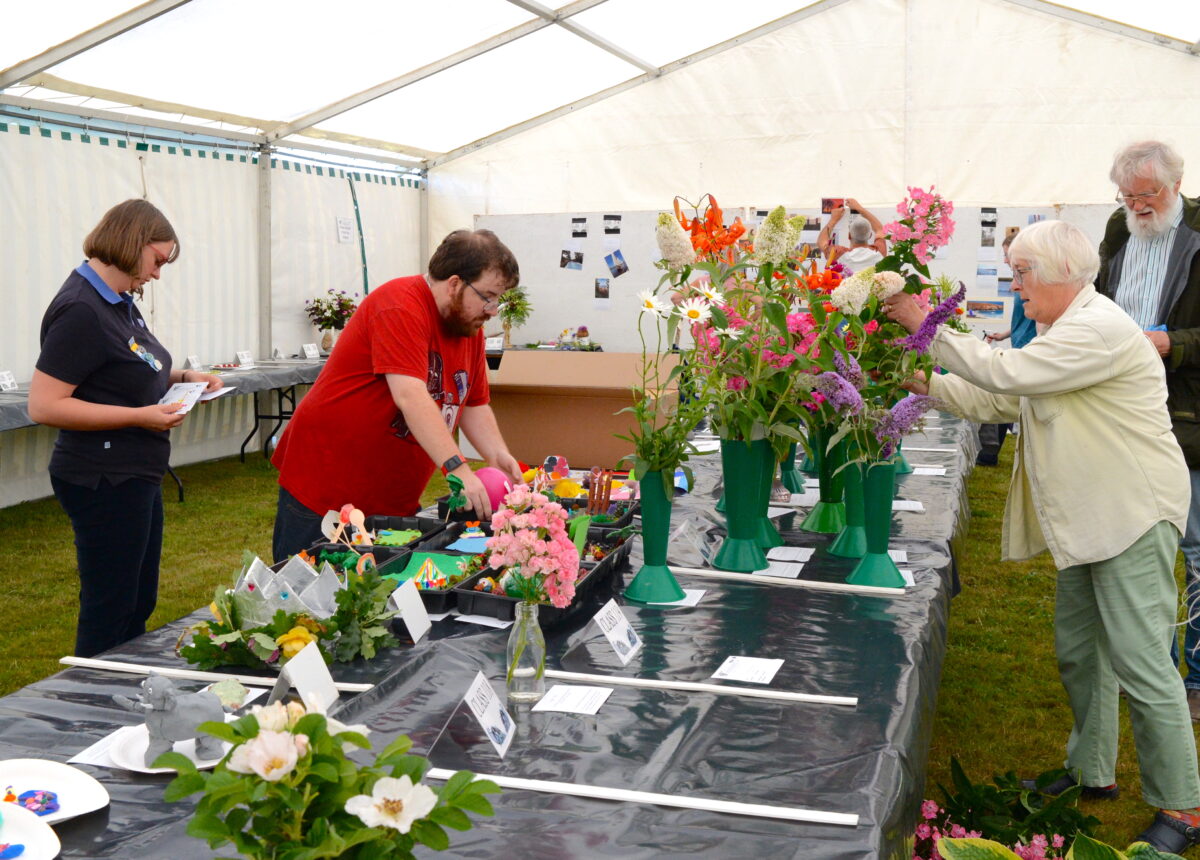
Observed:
{"x":129,"y":752}
{"x":78,"y":793}
{"x":22,"y":827}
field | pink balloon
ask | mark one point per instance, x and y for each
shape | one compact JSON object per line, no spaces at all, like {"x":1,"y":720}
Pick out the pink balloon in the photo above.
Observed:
{"x":497,"y":484}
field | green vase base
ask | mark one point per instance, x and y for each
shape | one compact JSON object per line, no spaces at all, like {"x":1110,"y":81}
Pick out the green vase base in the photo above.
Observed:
{"x":902,"y":465}
{"x":850,"y":543}
{"x":877,"y":569}
{"x":654,"y":583}
{"x":792,"y":479}
{"x":721,"y":504}
{"x":741,"y":555}
{"x":768,"y":535}
{"x":808,"y":467}
{"x":827,"y":518}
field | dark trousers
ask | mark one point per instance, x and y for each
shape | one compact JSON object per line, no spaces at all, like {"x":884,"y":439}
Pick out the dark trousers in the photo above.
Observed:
{"x":118,"y":544}
{"x":296,"y":527}
{"x":991,"y":440}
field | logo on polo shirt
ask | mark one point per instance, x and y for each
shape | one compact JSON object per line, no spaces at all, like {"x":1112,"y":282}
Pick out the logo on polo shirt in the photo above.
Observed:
{"x":140,"y":352}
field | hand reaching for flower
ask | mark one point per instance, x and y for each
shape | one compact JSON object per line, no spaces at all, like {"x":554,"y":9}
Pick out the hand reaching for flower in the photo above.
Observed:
{"x":903,"y":308}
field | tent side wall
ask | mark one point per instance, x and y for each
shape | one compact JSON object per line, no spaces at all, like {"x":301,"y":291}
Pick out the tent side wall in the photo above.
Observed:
{"x":54,"y":187}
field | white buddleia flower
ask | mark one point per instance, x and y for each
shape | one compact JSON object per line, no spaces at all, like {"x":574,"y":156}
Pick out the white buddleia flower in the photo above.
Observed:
{"x":775,"y":239}
{"x":884,"y":284}
{"x":674,"y":243}
{"x":851,"y":295}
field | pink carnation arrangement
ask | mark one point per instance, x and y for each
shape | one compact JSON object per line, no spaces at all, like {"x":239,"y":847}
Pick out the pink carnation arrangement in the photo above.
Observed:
{"x":530,"y":541}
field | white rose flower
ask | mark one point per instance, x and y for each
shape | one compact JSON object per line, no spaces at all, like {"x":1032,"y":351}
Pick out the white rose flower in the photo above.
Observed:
{"x":674,"y":243}
{"x":271,"y":718}
{"x":272,"y":755}
{"x":394,"y":803}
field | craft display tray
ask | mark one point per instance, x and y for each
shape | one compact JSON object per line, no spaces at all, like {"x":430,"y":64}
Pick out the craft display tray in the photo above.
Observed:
{"x":437,"y":540}
{"x":626,"y":510}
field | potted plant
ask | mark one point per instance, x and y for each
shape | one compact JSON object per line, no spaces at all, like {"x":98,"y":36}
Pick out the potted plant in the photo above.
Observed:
{"x":330,"y":313}
{"x":515,"y":311}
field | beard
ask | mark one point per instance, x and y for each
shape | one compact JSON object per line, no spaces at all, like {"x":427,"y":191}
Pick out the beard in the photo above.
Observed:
{"x":458,"y":323}
{"x":1149,"y":226}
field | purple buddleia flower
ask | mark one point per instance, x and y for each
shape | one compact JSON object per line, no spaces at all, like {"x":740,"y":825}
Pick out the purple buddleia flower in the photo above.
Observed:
{"x":851,"y":370}
{"x":900,"y":419}
{"x":839,"y":394}
{"x":920,"y":340}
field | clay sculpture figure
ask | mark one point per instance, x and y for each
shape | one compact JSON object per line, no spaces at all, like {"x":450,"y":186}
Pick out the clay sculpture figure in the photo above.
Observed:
{"x":173,"y":716}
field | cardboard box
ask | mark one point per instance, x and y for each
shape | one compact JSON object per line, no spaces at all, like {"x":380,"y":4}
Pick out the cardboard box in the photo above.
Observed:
{"x":566,"y":403}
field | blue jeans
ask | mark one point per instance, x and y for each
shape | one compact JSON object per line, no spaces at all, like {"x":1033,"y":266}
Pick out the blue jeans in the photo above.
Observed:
{"x":118,"y":543}
{"x":297,"y":527}
{"x":1190,"y":544}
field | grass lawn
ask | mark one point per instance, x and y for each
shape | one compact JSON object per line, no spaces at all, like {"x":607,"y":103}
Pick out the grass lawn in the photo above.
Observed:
{"x":1001,"y":706}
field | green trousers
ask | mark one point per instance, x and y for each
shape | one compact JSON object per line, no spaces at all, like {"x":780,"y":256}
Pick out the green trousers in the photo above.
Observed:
{"x":1113,"y":623}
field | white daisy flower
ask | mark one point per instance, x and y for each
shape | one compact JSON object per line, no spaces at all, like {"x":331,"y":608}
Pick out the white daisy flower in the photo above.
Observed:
{"x":694,"y":310}
{"x":652,"y":304}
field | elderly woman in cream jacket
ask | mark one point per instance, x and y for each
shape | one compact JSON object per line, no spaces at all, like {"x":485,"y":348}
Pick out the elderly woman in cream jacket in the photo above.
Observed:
{"x":1101,"y":483}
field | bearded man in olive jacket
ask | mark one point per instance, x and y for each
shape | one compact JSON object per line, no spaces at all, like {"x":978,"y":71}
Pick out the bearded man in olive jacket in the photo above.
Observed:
{"x":1150,"y":266}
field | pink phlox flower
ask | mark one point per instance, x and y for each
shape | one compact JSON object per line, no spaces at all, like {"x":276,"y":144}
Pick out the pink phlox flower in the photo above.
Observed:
{"x":923,"y":830}
{"x":957,"y":831}
{"x":871,"y":327}
{"x":929,"y":809}
{"x":1058,"y":841}
{"x":736,"y":383}
{"x":800,"y":323}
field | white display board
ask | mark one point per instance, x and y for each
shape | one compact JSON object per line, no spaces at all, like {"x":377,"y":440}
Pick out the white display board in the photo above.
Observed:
{"x":566,"y":297}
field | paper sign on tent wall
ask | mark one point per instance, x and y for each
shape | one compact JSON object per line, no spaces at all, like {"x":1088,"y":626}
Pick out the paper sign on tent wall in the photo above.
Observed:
{"x":345,"y":229}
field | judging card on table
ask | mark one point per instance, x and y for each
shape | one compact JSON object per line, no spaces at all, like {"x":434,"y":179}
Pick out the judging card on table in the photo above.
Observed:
{"x":407,"y":601}
{"x":310,"y":676}
{"x":752,"y":670}
{"x":620,"y":633}
{"x":493,"y":719}
{"x":790,"y":553}
{"x":691,"y":597}
{"x":573,"y":699}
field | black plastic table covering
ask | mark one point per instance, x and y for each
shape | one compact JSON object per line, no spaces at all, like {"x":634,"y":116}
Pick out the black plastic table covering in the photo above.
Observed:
{"x":868,"y":760}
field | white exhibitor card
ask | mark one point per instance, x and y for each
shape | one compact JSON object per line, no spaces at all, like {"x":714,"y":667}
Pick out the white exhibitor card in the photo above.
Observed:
{"x":929,"y":470}
{"x":573,"y":699}
{"x":493,"y":719}
{"x":691,"y":597}
{"x":407,"y":600}
{"x":245,"y":358}
{"x":186,"y":394}
{"x":790,"y":553}
{"x":8,"y":382}
{"x":192,"y":363}
{"x":784,"y":569}
{"x":310,"y":351}
{"x":907,"y":505}
{"x":310,"y":676}
{"x":752,"y":670}
{"x":621,"y":635}
{"x":900,"y":556}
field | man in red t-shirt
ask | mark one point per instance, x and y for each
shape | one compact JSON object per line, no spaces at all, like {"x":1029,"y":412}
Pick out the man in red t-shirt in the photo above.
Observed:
{"x":407,"y":371}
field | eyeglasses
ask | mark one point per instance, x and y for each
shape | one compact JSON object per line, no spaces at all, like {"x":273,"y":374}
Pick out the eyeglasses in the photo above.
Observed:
{"x":489,"y":304}
{"x":1145,"y":196}
{"x":1019,"y":273}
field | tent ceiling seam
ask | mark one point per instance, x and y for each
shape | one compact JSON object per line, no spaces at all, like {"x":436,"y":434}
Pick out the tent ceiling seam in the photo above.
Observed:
{"x":552,"y":17}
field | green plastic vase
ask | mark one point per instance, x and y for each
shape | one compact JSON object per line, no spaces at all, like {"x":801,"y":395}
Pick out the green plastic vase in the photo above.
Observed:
{"x":829,"y":514}
{"x":654,"y":582}
{"x":740,"y":551}
{"x":768,"y":534}
{"x":902,"y":465}
{"x":789,"y":474}
{"x":877,"y":567}
{"x":851,"y":541}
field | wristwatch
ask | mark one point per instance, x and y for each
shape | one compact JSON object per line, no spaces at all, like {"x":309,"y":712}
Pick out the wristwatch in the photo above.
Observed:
{"x":453,"y":463}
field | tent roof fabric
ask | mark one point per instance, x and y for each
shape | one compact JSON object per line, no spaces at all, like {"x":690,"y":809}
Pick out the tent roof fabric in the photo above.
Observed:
{"x":417,"y":79}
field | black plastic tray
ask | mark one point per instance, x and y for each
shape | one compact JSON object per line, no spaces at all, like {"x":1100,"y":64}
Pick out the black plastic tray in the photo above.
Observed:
{"x":572,"y":506}
{"x":435,"y":601}
{"x":504,"y":608}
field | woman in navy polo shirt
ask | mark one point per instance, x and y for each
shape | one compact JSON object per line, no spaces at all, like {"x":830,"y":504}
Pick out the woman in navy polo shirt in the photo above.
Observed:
{"x":99,"y":378}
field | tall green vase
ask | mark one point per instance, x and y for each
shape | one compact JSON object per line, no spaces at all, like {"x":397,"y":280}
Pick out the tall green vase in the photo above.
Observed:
{"x":829,"y":514}
{"x":740,"y":550}
{"x":789,"y":474}
{"x":851,"y":541}
{"x":877,"y":567}
{"x":654,"y":582}
{"x":768,"y":534}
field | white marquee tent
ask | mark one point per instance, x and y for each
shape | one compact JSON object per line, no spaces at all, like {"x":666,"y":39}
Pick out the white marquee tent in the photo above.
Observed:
{"x":404,"y":120}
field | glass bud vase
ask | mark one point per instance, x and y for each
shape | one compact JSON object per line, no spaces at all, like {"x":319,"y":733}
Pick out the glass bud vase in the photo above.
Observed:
{"x":526,"y":676}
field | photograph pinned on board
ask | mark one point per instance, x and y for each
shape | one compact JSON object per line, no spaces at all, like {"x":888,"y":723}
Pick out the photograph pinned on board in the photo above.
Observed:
{"x":987,"y":227}
{"x":986,"y":276}
{"x":612,"y":225}
{"x":579,"y":228}
{"x":985,"y":309}
{"x":828,"y":204}
{"x":1033,"y":219}
{"x":602,"y":288}
{"x":574,"y":260}
{"x":1004,"y":287}
{"x":812,"y":224}
{"x":616,"y":263}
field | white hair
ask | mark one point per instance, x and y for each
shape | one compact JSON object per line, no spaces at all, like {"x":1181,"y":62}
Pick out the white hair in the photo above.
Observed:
{"x":1060,"y":252}
{"x":1149,"y":158}
{"x":860,"y":230}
